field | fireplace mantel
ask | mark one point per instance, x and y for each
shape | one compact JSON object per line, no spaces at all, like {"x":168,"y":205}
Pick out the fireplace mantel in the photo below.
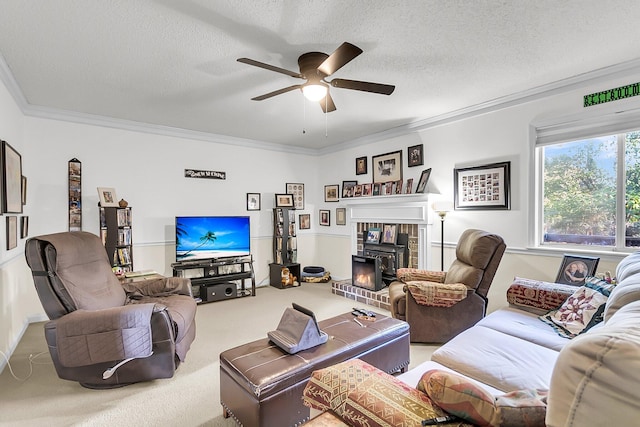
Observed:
{"x":393,"y":209}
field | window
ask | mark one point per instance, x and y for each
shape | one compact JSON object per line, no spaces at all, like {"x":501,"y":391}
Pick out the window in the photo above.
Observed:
{"x":589,"y":192}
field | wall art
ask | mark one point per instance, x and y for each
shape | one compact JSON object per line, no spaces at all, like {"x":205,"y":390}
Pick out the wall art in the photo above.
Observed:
{"x":11,"y":179}
{"x":482,"y":187}
{"x":387,"y":167}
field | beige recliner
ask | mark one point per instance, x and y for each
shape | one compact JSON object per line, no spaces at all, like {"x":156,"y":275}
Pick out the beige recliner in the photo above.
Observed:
{"x":102,"y":333}
{"x":439,"y":305}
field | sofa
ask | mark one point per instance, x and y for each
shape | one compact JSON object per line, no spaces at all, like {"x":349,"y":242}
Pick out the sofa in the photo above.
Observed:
{"x":557,"y":355}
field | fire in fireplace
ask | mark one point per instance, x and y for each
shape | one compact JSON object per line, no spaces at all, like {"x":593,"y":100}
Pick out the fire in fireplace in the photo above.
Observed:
{"x":366,"y":272}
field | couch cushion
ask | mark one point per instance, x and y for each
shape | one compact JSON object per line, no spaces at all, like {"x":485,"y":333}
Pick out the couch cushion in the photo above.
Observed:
{"x":625,"y":292}
{"x":582,"y":310}
{"x":503,"y":361}
{"x":599,"y":370}
{"x":525,"y":325}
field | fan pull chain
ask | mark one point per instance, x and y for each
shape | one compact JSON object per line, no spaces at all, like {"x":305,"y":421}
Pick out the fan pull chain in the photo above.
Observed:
{"x":304,"y":115}
{"x":326,"y":119}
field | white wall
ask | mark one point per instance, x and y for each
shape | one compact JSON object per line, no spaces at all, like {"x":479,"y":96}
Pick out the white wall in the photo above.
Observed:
{"x":148,"y":171}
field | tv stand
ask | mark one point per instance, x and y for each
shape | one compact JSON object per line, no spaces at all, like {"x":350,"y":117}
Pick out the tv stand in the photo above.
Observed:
{"x":217,"y":279}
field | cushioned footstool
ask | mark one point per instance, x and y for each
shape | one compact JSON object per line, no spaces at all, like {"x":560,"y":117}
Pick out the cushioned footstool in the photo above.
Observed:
{"x":261,"y":385}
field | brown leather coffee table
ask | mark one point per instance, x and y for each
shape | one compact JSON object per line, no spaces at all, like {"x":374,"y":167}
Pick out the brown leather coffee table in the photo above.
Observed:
{"x":261,"y":385}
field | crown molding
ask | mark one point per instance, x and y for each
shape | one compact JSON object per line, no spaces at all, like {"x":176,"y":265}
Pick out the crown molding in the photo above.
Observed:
{"x":592,"y":77}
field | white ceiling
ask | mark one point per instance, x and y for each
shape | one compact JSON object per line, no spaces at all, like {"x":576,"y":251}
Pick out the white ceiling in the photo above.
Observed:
{"x":173,"y":62}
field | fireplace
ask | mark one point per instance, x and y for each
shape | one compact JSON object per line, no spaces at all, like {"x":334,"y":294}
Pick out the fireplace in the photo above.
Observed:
{"x":366,"y":272}
{"x":392,"y":257}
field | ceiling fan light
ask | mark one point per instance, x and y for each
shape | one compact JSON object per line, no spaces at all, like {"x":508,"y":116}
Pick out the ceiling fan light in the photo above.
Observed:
{"x":314,"y":92}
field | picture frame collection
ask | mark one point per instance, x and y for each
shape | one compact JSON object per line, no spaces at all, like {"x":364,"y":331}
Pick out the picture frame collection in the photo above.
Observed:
{"x":13,"y":194}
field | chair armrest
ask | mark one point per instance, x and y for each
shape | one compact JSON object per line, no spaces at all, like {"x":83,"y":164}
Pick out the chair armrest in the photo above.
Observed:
{"x":437,"y":294}
{"x":414,"y":274}
{"x":85,"y":337}
{"x":537,"y":296}
{"x":159,"y":287}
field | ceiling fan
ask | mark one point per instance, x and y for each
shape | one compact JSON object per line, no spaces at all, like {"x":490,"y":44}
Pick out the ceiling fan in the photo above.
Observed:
{"x":315,"y":67}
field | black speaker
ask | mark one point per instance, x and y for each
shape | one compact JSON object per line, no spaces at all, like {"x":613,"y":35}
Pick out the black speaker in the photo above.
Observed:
{"x":218,"y":292}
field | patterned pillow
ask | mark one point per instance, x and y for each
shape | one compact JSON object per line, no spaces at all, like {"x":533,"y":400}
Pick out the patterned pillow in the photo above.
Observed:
{"x":582,"y":310}
{"x":456,"y":395}
{"x":537,"y":294}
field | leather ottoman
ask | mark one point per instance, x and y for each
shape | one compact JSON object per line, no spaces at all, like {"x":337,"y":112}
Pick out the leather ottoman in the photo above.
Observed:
{"x":262,"y":385}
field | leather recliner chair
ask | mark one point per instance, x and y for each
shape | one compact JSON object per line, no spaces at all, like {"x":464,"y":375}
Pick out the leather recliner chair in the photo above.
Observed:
{"x":102,"y":333}
{"x":452,"y":301}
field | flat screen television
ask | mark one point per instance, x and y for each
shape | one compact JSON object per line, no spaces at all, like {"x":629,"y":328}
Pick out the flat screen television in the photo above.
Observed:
{"x":207,"y":237}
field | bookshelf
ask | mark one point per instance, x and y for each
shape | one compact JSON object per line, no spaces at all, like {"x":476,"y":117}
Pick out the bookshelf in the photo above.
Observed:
{"x":285,"y":247}
{"x":115,"y":232}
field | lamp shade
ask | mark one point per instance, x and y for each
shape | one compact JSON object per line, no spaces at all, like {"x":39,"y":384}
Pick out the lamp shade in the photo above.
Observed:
{"x":442,"y":206}
{"x":314,"y":92}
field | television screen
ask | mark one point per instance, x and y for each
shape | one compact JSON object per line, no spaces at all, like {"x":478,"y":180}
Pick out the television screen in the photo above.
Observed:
{"x":206,"y":237}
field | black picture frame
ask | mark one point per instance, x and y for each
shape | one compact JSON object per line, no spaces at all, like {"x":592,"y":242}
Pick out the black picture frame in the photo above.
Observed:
{"x":422,"y":182}
{"x":348,"y":188}
{"x":387,"y":167}
{"x":284,"y":200}
{"x":325,"y":217}
{"x":575,"y":268}
{"x":373,"y":235}
{"x":415,"y":155}
{"x":361,"y":165}
{"x":75,"y":194}
{"x":24,"y":227}
{"x":304,"y":221}
{"x":254,"y":201}
{"x":389,"y":234}
{"x":484,"y":187}
{"x":11,"y":179}
{"x":12,"y":232}
{"x":331,"y":193}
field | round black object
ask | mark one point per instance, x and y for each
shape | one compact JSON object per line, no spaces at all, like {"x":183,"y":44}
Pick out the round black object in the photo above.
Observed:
{"x":313,"y":270}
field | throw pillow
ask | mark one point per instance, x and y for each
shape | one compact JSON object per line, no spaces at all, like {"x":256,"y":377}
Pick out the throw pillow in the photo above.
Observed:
{"x":582,"y":310}
{"x":457,"y":396}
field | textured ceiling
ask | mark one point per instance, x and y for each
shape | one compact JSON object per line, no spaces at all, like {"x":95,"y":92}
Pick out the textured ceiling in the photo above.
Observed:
{"x":173,"y":63}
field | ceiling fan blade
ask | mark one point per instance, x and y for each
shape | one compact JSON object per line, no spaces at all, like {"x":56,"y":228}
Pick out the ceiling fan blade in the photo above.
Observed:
{"x":327,"y":104}
{"x":276,"y":92}
{"x":364,"y":86}
{"x":343,"y":54}
{"x":269,"y":67}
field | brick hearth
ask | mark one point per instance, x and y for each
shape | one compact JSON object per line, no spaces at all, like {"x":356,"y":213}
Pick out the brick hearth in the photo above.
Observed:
{"x":365,"y":296}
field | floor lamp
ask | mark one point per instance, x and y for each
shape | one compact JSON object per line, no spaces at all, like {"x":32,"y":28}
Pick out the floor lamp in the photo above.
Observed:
{"x":441,"y":208}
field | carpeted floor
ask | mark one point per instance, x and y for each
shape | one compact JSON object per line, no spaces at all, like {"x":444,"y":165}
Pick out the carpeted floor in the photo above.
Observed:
{"x":190,"y":398}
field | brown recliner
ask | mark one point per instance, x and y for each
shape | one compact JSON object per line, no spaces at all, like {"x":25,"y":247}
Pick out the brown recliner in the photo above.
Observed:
{"x":441,"y":310}
{"x":102,"y":333}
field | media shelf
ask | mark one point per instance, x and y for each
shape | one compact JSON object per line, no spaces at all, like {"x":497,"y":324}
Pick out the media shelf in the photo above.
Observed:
{"x":218,"y":279}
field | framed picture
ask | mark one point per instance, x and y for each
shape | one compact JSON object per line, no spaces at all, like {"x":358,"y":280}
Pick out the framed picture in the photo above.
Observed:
{"x":397,"y":187}
{"x":297,"y":190}
{"x":574,"y":269}
{"x":253,"y":201}
{"x":11,"y":179}
{"x":24,"y":227}
{"x":24,"y":190}
{"x":409,"y":188}
{"x":331,"y":193}
{"x":107,"y":197}
{"x":304,"y":221}
{"x":325,"y":217}
{"x":414,"y":156}
{"x":75,"y":194}
{"x":376,"y":189}
{"x":284,"y":200}
{"x":482,"y":187}
{"x":387,"y":167}
{"x":361,"y":165}
{"x":341,"y":216}
{"x":373,"y":235}
{"x":367,"y":189}
{"x":389,"y":234}
{"x":348,"y":188}
{"x":357,"y":190}
{"x":12,"y":232}
{"x":422,"y":182}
